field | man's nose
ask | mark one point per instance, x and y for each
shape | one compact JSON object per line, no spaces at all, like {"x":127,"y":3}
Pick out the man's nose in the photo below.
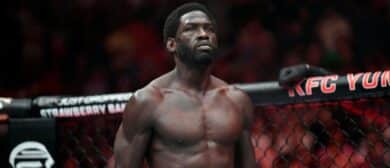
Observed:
{"x":203,"y":34}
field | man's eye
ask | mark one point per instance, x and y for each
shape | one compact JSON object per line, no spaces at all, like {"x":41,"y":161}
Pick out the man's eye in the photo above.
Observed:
{"x":211,"y":29}
{"x":188,"y":28}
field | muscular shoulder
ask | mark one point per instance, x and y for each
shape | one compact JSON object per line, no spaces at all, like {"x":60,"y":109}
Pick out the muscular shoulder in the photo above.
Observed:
{"x":242,"y":100}
{"x":139,"y":111}
{"x":217,"y":82}
{"x":238,"y":96}
{"x":148,"y":95}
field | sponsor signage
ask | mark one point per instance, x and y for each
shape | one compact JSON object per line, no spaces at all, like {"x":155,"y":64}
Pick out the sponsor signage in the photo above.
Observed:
{"x":30,"y":154}
{"x":321,"y":88}
{"x":81,"y":106}
{"x":31,"y":143}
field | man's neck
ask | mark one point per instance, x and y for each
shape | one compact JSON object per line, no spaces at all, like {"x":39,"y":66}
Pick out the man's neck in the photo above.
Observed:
{"x":193,"y":78}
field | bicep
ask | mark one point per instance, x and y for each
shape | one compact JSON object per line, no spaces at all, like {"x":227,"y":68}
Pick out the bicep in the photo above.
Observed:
{"x":130,"y":151}
{"x":134,"y":133}
{"x":245,"y":106}
{"x":244,"y":150}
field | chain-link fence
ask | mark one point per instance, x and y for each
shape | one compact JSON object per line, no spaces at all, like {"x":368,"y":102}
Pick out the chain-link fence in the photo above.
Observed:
{"x":331,"y":122}
{"x":342,"y":134}
{"x":86,"y":142}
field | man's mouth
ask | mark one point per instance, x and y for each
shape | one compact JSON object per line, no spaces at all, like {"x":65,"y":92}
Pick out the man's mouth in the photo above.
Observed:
{"x":204,"y":47}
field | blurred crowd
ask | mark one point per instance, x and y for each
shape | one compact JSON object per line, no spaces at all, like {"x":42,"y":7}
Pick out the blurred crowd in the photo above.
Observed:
{"x":79,"y":47}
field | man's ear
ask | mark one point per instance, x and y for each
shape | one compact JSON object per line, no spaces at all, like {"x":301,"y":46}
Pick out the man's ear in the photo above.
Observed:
{"x":171,"y":45}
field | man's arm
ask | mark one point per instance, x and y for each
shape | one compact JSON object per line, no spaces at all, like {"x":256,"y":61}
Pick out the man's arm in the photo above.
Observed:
{"x":244,"y":150}
{"x":134,"y":132}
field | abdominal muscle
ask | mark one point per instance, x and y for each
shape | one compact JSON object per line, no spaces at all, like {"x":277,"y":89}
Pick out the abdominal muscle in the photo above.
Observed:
{"x":201,"y":155}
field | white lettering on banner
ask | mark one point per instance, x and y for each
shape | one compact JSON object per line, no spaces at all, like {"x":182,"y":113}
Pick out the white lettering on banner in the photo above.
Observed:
{"x":367,"y":84}
{"x":385,"y":79}
{"x":81,"y":111}
{"x":311,"y":83}
{"x":327,"y":84}
{"x":298,"y":89}
{"x":352,"y":80}
{"x":30,"y":154}
{"x":68,"y":101}
{"x":315,"y":82}
{"x":332,"y":86}
{"x":116,"y":108}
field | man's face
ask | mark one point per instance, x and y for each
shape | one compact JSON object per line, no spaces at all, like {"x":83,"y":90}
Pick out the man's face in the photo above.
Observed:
{"x":196,"y":39}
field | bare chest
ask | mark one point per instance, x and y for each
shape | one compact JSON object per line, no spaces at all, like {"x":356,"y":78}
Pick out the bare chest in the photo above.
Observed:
{"x":185,"y":119}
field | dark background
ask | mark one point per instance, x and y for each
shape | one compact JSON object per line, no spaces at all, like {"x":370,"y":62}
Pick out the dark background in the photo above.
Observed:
{"x":78,"y":47}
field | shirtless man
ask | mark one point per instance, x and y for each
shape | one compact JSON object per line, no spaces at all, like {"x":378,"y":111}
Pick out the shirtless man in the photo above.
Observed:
{"x":187,"y":117}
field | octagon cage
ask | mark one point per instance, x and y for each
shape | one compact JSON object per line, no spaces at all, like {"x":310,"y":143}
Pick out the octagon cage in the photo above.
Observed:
{"x":329,"y":121}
